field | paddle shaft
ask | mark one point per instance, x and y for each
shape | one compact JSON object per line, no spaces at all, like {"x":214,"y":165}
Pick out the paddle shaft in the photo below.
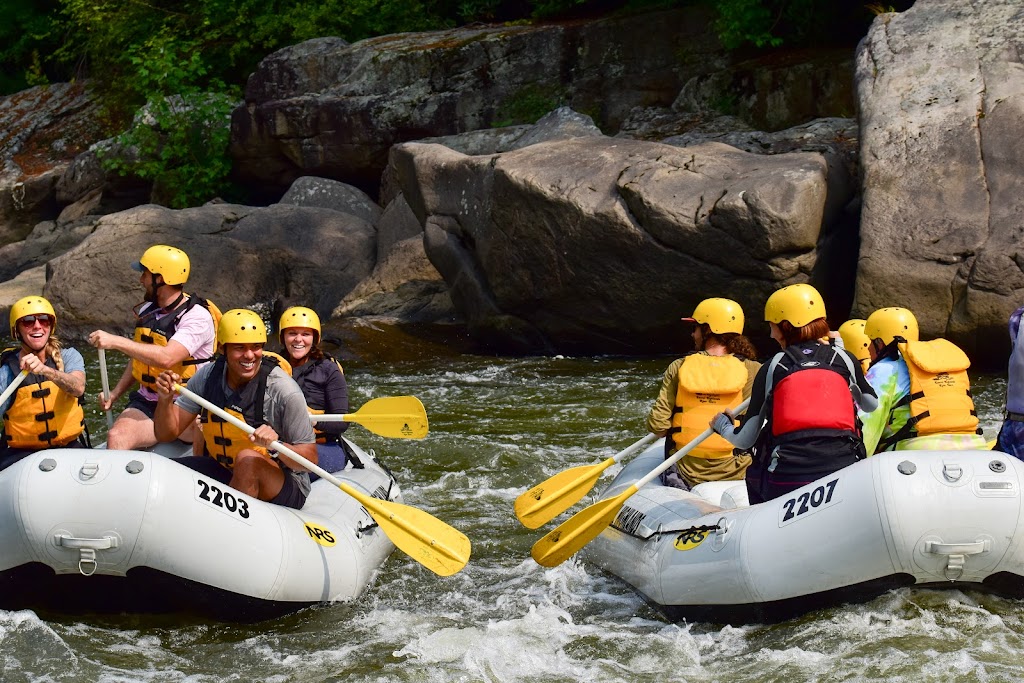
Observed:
{"x":356,"y":417}
{"x":15,"y":383}
{"x":678,"y":455}
{"x":630,"y":450}
{"x":275,"y":445}
{"x":106,"y":385}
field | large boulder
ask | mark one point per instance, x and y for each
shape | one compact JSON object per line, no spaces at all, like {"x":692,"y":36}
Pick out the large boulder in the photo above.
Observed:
{"x":330,"y":194}
{"x":241,"y":257}
{"x":941,"y":95}
{"x":334,"y":110}
{"x":599,"y":244}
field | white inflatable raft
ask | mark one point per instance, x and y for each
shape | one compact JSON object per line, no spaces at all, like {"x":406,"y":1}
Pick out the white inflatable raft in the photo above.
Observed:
{"x":934,"y":518}
{"x":102,"y":530}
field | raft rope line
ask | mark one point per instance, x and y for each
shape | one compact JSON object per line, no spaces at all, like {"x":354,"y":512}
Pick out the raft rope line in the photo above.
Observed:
{"x":380,"y":493}
{"x":629,"y":519}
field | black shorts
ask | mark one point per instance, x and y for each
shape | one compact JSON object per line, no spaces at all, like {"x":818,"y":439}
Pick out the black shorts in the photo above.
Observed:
{"x":290,"y":495}
{"x":139,"y":402}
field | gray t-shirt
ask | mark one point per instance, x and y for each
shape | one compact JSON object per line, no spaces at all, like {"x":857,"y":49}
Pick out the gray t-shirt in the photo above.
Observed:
{"x":284,"y":409}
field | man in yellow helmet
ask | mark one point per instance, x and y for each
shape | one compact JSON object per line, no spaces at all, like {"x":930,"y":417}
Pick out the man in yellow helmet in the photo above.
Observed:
{"x":258,"y":392}
{"x":923,"y":390}
{"x":716,"y":376}
{"x":172,"y":329}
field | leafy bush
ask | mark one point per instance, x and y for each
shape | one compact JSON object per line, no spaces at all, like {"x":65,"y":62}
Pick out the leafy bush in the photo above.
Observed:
{"x":28,"y":33}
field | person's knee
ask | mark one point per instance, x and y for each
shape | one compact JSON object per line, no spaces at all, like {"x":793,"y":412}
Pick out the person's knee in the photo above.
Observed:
{"x":119,"y":436}
{"x":248,"y":463}
{"x":128,"y":434}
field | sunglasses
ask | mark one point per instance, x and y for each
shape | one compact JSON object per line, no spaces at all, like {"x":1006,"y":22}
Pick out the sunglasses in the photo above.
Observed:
{"x":30,"y":320}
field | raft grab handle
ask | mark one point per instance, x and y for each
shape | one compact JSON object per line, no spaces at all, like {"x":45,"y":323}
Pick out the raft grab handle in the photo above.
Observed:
{"x":87,"y":548}
{"x":957,"y":553}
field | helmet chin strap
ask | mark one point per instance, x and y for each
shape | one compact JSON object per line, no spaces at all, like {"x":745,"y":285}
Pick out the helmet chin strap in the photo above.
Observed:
{"x":153,"y":298}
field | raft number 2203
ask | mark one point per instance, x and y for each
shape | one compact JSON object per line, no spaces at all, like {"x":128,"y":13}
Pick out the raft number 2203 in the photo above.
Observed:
{"x":223,"y":499}
{"x":808,"y":501}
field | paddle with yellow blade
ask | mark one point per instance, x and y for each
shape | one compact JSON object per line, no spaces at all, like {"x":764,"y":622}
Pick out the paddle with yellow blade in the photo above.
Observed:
{"x":439,"y":547}
{"x":398,"y":417}
{"x":555,"y":495}
{"x":586,"y":525}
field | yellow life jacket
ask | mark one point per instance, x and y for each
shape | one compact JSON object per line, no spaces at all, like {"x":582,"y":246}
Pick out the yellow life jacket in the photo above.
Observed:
{"x":940,"y":392}
{"x":280,"y":360}
{"x":149,"y":330}
{"x":222,"y":440}
{"x":707,"y":385}
{"x":42,"y":415}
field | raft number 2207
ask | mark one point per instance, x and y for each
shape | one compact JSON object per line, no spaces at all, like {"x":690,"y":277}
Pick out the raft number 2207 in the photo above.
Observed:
{"x":223,"y":499}
{"x":808,"y":501}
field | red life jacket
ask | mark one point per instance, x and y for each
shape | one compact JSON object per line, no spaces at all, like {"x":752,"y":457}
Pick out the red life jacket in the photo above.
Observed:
{"x":812,"y":403}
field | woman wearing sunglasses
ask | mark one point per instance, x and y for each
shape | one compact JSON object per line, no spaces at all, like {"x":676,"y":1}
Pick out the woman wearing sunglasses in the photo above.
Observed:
{"x":45,"y":411}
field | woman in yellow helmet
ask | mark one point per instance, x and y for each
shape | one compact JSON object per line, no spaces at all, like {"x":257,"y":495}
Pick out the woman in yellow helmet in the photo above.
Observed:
{"x":45,"y":411}
{"x":717,"y":375}
{"x":321,"y":379}
{"x":802,"y":419}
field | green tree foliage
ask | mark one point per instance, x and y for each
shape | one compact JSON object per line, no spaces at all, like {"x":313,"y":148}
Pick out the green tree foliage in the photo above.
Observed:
{"x":179,"y":139}
{"x":186,"y":61}
{"x":28,"y":37}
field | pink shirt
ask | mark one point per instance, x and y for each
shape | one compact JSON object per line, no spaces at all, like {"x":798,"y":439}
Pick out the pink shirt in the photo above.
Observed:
{"x":196,"y":333}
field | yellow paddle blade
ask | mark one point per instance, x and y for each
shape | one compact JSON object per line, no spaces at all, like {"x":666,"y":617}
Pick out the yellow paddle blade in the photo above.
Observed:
{"x":398,"y":417}
{"x":577,"y":531}
{"x":555,"y":495}
{"x":991,"y":444}
{"x":441,"y":548}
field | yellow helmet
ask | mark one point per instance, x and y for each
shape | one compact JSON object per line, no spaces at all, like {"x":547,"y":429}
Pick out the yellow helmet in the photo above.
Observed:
{"x":854,"y":339}
{"x":241,"y":326}
{"x":721,"y":315}
{"x":886,"y":323}
{"x":299,"y":316}
{"x":799,"y":304}
{"x":30,"y":305}
{"x":170,"y":262}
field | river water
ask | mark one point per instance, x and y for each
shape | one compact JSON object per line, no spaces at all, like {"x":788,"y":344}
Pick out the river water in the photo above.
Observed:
{"x":497,"y":426}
